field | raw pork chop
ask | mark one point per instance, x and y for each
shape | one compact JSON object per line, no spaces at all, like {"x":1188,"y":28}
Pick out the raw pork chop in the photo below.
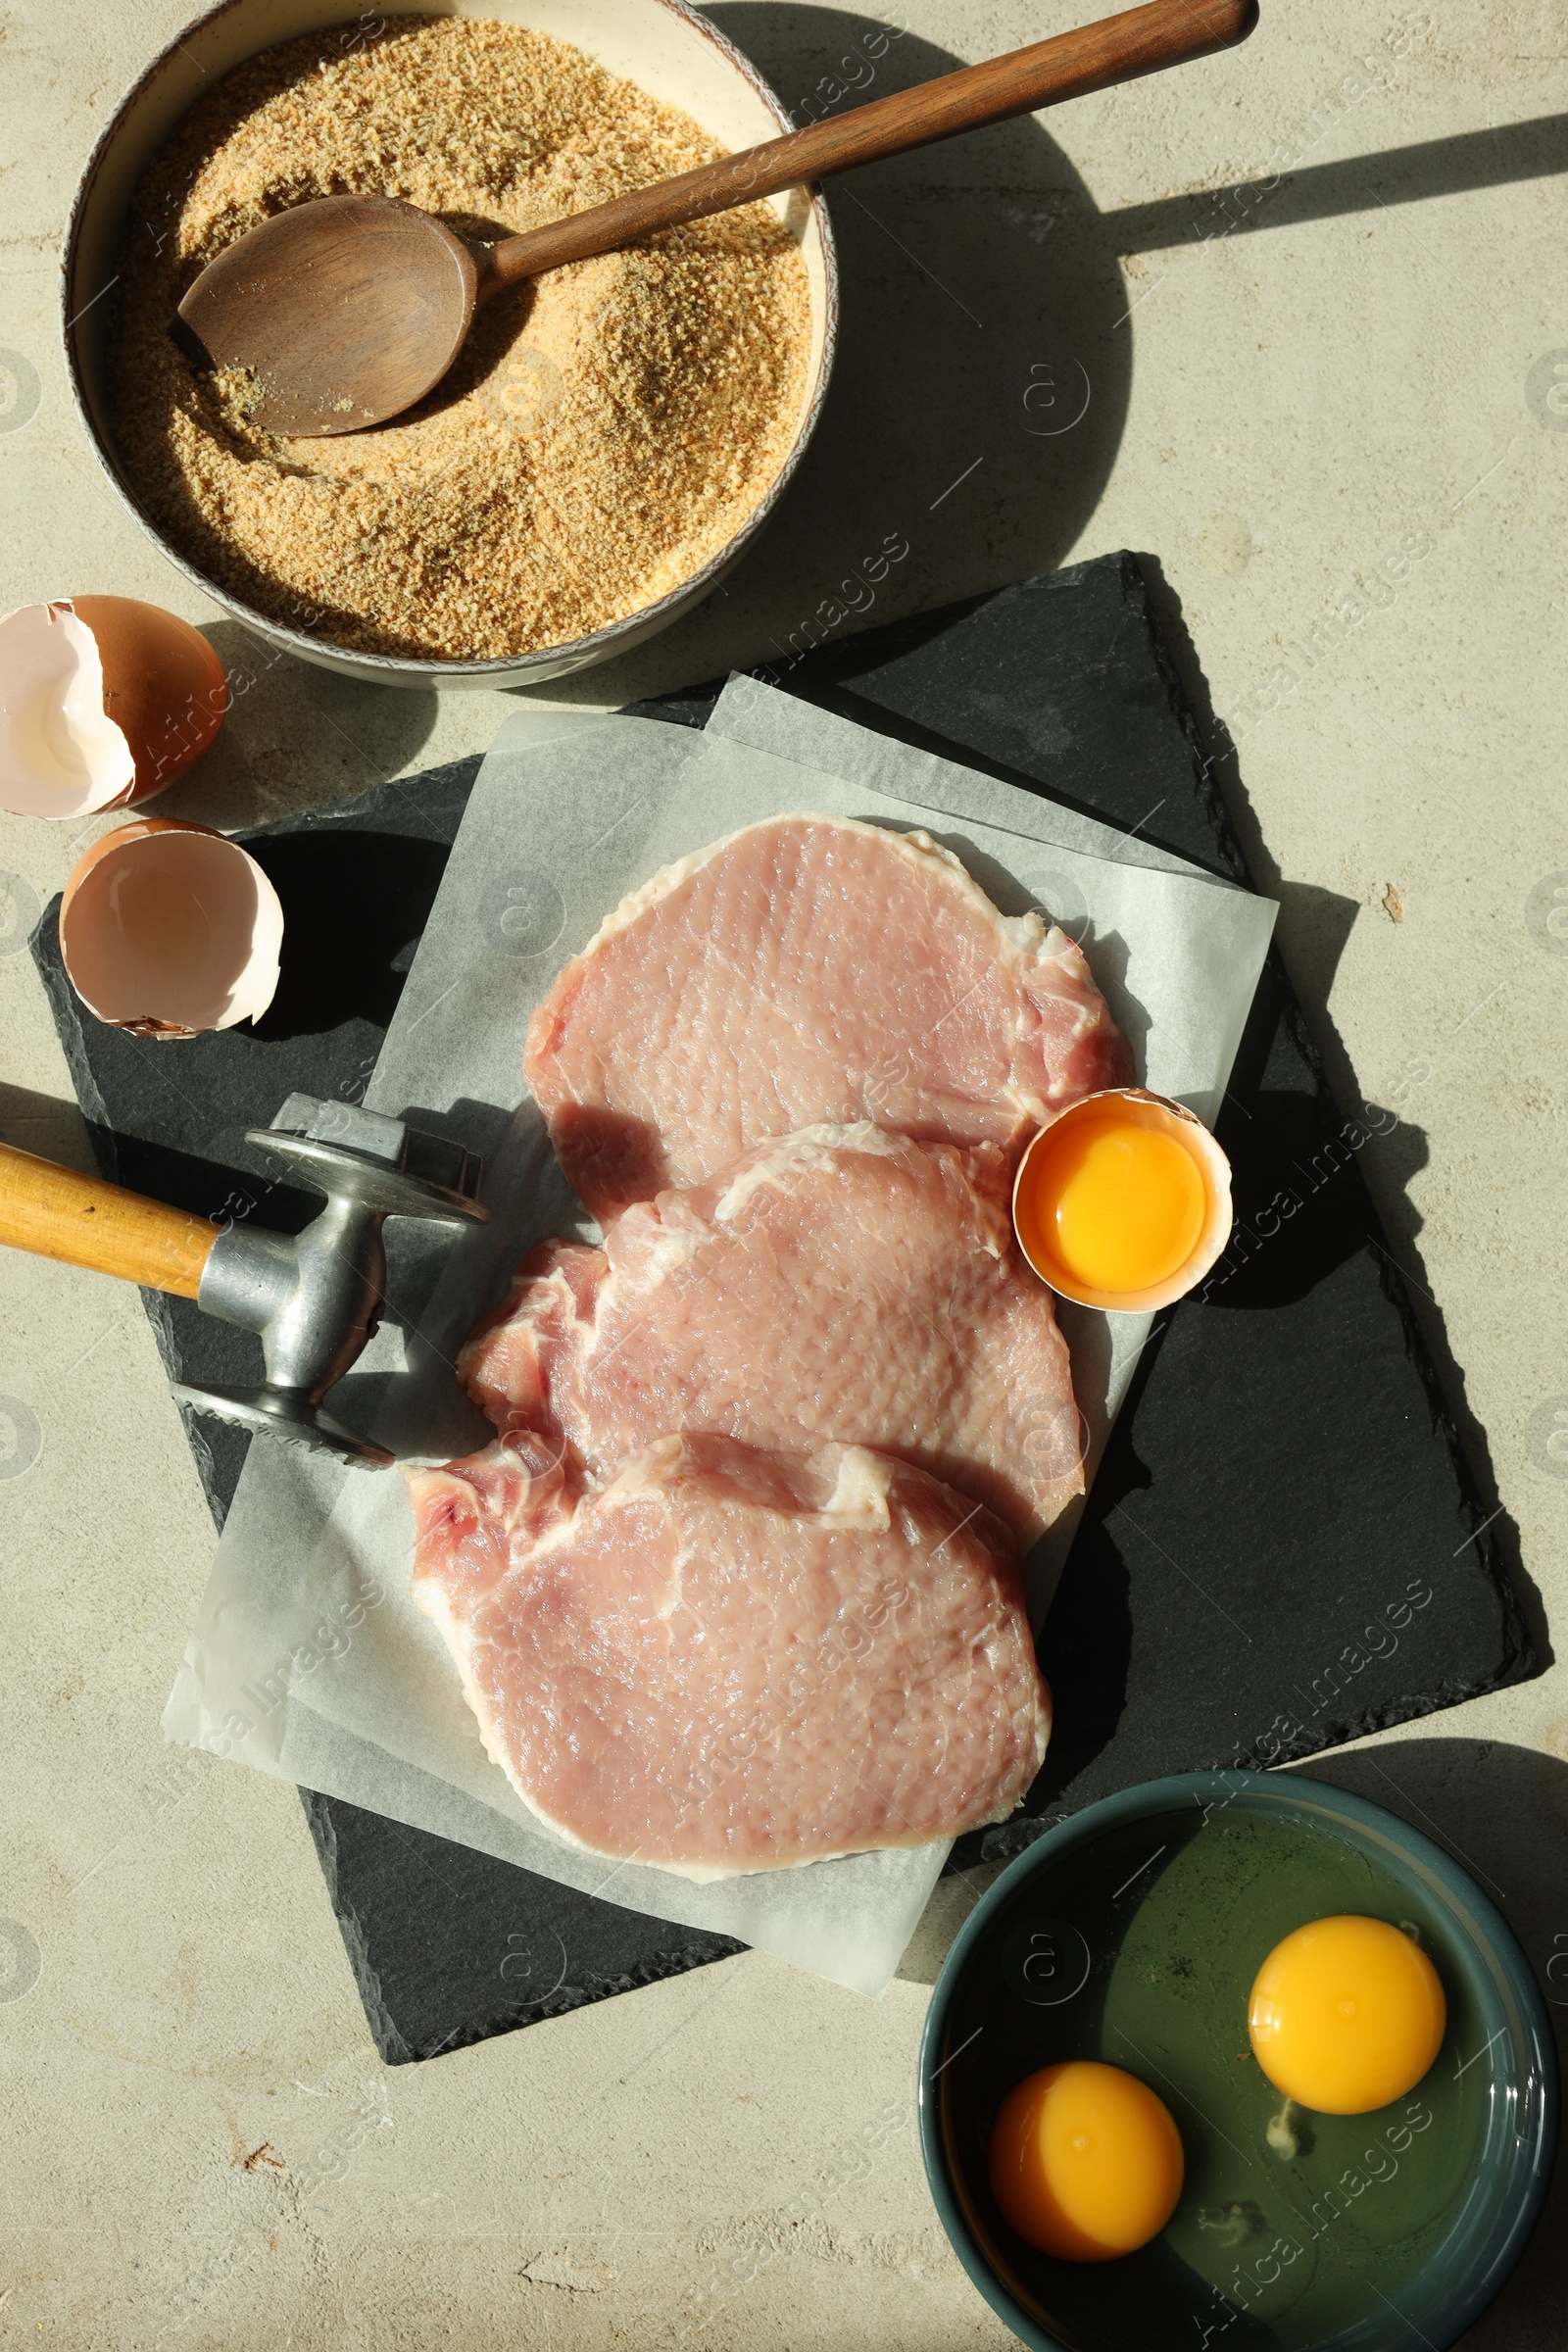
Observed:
{"x":730,"y":1660}
{"x":807,"y":969}
{"x":843,"y":1284}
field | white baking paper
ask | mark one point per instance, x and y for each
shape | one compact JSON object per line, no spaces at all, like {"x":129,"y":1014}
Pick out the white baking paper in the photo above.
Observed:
{"x":308,"y":1659}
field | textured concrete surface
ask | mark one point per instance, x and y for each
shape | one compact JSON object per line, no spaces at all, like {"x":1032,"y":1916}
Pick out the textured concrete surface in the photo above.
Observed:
{"x":1296,"y":393}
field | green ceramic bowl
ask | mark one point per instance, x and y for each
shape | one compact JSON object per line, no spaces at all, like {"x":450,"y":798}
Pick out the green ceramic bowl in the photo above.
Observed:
{"x":1131,"y":1934}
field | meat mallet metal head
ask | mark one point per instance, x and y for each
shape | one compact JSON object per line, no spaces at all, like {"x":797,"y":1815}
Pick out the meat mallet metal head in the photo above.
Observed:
{"x":314,"y":1297}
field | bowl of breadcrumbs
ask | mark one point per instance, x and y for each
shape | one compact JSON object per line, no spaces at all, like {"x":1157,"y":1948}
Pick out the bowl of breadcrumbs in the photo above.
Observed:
{"x":612,"y":434}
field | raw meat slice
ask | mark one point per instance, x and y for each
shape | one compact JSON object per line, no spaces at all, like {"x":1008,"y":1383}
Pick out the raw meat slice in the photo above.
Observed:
{"x":809,"y":970}
{"x":731,"y":1660}
{"x":844,"y":1284}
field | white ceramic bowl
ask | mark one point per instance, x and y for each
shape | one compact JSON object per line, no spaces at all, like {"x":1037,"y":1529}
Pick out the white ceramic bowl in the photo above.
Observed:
{"x":661,"y":45}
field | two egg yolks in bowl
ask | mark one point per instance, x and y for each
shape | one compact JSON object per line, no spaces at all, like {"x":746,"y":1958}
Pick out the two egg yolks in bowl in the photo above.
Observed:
{"x":1346,"y":2015}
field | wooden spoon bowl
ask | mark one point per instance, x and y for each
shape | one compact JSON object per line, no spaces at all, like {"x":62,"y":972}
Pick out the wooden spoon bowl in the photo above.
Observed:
{"x":346,"y":311}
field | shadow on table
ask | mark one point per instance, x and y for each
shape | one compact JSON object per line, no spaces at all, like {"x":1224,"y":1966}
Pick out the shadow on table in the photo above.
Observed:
{"x":1461,"y":166}
{"x":974,"y":282}
{"x":296,"y":736}
{"x":971,"y":271}
{"x":354,"y":905}
{"x":1503,"y":1811}
{"x":46,"y":1126}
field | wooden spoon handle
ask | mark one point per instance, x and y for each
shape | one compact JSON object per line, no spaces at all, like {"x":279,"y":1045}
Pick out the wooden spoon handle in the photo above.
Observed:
{"x":55,"y":1212}
{"x":1094,"y":57}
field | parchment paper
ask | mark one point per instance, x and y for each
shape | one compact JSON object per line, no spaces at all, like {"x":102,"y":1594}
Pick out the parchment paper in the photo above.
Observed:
{"x":308,"y":1659}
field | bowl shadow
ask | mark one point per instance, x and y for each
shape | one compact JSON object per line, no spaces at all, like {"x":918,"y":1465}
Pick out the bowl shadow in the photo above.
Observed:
{"x":295,"y":736}
{"x":1503,"y":1812}
{"x":980,"y":391}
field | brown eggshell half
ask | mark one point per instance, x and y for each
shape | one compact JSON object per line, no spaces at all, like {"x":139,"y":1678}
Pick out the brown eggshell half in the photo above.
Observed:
{"x":1185,"y":1128}
{"x":169,"y":929}
{"x":163,"y":687}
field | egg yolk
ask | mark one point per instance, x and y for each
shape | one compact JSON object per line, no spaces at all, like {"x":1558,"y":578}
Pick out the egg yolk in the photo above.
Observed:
{"x":1346,"y":2015}
{"x":1116,"y":1206}
{"x":1086,"y":2163}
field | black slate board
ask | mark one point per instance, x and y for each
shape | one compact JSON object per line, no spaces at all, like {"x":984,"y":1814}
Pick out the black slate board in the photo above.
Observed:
{"x":1284,"y":1548}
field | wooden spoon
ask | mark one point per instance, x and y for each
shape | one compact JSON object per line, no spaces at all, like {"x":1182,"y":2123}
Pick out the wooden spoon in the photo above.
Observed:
{"x":350,"y":309}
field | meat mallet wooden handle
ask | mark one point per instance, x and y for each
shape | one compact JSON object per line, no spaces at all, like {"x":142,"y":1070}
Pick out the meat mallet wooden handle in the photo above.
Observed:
{"x":54,"y":1212}
{"x":1092,"y":57}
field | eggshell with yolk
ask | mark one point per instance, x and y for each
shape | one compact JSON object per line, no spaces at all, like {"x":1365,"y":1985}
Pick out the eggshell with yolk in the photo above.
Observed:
{"x":1182,"y":1127}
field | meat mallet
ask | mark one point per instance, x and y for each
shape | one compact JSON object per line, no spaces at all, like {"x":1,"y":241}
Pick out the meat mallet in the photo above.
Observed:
{"x":315,"y":1297}
{"x":347,"y":310}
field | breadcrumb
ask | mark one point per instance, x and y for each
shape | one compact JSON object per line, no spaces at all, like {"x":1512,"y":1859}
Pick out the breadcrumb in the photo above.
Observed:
{"x":606,"y":429}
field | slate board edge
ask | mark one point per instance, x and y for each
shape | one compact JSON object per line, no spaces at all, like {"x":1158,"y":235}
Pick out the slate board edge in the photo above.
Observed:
{"x":1522,"y":1662}
{"x":394,"y":2045}
{"x":101,"y":1139}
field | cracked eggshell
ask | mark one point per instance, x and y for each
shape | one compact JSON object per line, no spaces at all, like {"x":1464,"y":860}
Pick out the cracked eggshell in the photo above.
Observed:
{"x":168,"y":930}
{"x":104,"y":701}
{"x":1183,"y":1127}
